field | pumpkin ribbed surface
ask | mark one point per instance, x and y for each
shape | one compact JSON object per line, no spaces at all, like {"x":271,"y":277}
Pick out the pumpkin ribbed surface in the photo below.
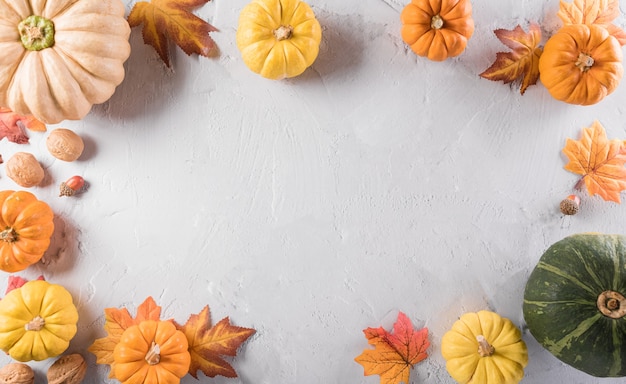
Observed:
{"x":77,"y":63}
{"x":26,"y":225}
{"x":572,"y":303}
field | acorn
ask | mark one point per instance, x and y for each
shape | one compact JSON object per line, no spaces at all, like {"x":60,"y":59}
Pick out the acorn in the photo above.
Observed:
{"x":71,"y":186}
{"x":570,"y":205}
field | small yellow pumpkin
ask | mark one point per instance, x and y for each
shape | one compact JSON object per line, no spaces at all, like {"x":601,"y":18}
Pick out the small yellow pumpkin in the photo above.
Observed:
{"x":60,"y":57}
{"x":37,"y":321}
{"x":151,"y":352}
{"x":278,"y":38}
{"x":484,"y":348}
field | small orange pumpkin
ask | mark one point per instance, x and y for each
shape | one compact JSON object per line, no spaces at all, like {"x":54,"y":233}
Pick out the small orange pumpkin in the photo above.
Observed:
{"x":437,"y":29}
{"x":26,"y":225}
{"x":151,"y":352}
{"x":581,"y":64}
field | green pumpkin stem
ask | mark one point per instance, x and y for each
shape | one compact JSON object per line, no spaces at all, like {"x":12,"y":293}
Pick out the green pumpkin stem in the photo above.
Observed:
{"x":612,"y":304}
{"x":484,"y":348}
{"x":36,"y":33}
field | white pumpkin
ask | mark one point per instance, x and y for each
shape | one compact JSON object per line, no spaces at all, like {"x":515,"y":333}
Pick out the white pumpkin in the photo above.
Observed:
{"x":59,"y":57}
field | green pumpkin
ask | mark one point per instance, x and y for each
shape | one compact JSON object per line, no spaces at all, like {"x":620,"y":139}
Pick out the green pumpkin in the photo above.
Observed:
{"x":574,"y":303}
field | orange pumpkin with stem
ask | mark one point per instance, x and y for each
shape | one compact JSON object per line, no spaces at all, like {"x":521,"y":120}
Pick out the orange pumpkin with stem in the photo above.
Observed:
{"x":151,"y":352}
{"x":581,"y":64}
{"x":437,"y":29}
{"x":26,"y":225}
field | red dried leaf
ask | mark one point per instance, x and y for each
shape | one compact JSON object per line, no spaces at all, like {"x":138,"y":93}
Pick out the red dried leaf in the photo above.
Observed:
{"x":12,"y":126}
{"x":16,"y":282}
{"x":395,"y":353}
{"x":165,"y":20}
{"x":208,"y":343}
{"x":522,"y":63}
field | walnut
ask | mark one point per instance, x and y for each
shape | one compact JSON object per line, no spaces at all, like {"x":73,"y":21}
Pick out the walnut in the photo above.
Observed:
{"x":69,"y":369}
{"x":17,"y":373}
{"x":24,"y":169}
{"x":65,"y":144}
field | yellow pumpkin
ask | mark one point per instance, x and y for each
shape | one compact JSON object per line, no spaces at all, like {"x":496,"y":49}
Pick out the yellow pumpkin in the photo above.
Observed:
{"x":581,"y":64}
{"x":59,"y":57}
{"x":37,"y":321}
{"x":278,"y":38}
{"x":484,"y":348}
{"x":26,"y":225}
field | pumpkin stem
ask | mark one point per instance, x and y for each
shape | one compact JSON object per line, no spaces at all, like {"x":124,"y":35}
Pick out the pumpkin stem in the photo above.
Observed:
{"x":484,"y":348}
{"x":9,"y":235}
{"x":283,"y":32}
{"x":436,"y":22}
{"x":36,"y":33}
{"x":154,"y":354}
{"x":612,"y":304}
{"x":584,"y":62}
{"x":35,"y":324}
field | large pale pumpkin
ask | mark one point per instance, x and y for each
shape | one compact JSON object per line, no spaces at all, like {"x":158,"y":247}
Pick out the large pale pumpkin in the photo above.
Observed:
{"x":59,"y":57}
{"x":581,"y":64}
{"x":278,"y":38}
{"x":37,"y":321}
{"x":26,"y":225}
{"x":575,"y":302}
{"x":484,"y":348}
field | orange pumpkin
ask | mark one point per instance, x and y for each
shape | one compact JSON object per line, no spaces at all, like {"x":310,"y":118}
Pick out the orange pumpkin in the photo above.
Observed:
{"x":437,"y":29}
{"x":25,"y":229}
{"x":151,"y":352}
{"x":581,"y":64}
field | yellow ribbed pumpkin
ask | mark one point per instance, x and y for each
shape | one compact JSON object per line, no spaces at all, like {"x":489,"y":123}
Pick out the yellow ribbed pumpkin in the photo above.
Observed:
{"x":278,"y":38}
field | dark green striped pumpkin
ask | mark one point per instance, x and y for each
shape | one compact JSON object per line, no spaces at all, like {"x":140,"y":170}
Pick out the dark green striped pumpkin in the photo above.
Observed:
{"x":574,"y":303}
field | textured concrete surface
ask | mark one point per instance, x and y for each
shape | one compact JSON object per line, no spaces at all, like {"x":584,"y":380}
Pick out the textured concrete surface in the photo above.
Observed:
{"x":312,"y":208}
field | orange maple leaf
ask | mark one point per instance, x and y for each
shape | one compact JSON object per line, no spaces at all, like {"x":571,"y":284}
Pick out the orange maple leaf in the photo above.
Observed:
{"x":599,"y":12}
{"x":165,"y":20}
{"x":599,"y":161}
{"x":395,"y":353}
{"x":207,"y":343}
{"x":116,"y":322}
{"x":523,"y":60}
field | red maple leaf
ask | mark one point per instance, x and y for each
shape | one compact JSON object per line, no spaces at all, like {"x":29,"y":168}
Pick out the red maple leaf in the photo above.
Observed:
{"x":208,"y":343}
{"x":395,"y":353}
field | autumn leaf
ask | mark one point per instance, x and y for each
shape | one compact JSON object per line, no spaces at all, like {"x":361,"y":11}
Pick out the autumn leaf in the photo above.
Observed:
{"x":523,"y":60}
{"x":599,"y":161}
{"x":165,"y":20}
{"x":15,"y":282}
{"x":395,"y":353}
{"x":12,"y":126}
{"x":116,"y":322}
{"x":599,"y":12}
{"x":208,"y":343}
